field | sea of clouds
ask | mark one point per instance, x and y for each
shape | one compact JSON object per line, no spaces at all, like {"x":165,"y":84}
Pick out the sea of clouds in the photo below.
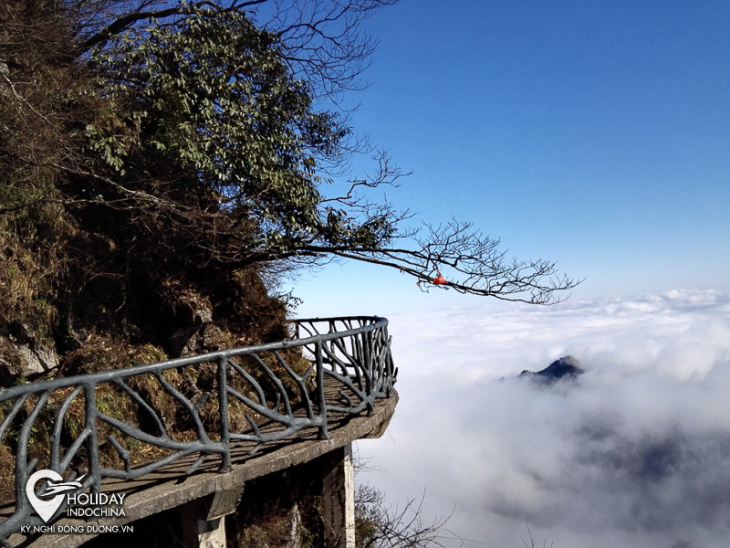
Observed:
{"x":635,"y":452}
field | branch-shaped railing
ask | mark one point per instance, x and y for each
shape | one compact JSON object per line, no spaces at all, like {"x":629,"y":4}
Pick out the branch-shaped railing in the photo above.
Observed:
{"x":131,"y":422}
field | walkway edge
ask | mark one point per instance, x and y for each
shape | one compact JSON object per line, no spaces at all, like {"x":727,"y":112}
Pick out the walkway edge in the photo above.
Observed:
{"x":174,"y":493}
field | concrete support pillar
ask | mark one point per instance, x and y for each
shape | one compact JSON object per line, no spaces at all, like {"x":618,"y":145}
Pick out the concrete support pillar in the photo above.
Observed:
{"x":203,"y":521}
{"x":200,"y":533}
{"x":338,"y":494}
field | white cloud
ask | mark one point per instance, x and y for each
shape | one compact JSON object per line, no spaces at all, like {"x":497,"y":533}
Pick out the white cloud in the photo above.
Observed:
{"x":635,"y":453}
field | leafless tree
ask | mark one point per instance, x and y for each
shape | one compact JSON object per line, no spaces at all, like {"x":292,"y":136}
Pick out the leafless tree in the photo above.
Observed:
{"x":530,"y":542}
{"x":378,"y":526}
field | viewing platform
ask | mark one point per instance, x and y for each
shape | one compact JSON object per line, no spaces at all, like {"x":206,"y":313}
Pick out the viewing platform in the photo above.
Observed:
{"x":188,"y":434}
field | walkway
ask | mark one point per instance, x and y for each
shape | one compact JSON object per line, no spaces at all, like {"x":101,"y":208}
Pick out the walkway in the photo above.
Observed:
{"x":261,"y":410}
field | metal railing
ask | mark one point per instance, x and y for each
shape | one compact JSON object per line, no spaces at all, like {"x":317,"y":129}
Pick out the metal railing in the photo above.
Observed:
{"x":130,"y":422}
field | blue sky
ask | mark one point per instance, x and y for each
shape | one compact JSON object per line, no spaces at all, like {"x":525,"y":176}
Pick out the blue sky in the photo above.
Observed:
{"x":595,"y":134}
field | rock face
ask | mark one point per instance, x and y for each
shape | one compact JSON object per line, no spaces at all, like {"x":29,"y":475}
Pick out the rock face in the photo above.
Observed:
{"x":23,"y":354}
{"x":566,"y":367}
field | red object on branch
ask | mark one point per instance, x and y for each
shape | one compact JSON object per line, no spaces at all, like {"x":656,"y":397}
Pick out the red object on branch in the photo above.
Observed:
{"x":439,"y":280}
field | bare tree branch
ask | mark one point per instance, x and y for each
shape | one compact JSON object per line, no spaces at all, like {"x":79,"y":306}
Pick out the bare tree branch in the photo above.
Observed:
{"x":321,"y":40}
{"x":324,"y":40}
{"x":378,"y":526}
{"x":454,"y":256}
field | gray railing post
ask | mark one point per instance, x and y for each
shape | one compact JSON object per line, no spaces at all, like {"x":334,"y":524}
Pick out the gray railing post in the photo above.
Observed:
{"x":368,"y":359}
{"x":93,"y":441}
{"x":223,"y":407}
{"x":322,"y":402}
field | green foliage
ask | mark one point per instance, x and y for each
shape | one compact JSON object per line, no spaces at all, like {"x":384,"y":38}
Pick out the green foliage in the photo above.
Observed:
{"x":208,"y":105}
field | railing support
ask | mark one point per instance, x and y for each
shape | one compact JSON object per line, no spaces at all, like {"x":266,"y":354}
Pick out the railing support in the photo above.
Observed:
{"x":224,"y":428}
{"x":92,"y":442}
{"x":323,"y":433}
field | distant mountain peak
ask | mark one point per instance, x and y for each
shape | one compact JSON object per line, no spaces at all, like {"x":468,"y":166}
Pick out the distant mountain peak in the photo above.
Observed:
{"x":567,"y":367}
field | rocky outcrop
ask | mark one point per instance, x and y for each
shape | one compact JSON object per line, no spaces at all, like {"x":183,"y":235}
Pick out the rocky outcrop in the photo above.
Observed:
{"x":567,"y":367}
{"x":22,"y":354}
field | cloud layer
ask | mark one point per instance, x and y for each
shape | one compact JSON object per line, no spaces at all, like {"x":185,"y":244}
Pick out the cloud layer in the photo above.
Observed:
{"x":636,"y":452}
